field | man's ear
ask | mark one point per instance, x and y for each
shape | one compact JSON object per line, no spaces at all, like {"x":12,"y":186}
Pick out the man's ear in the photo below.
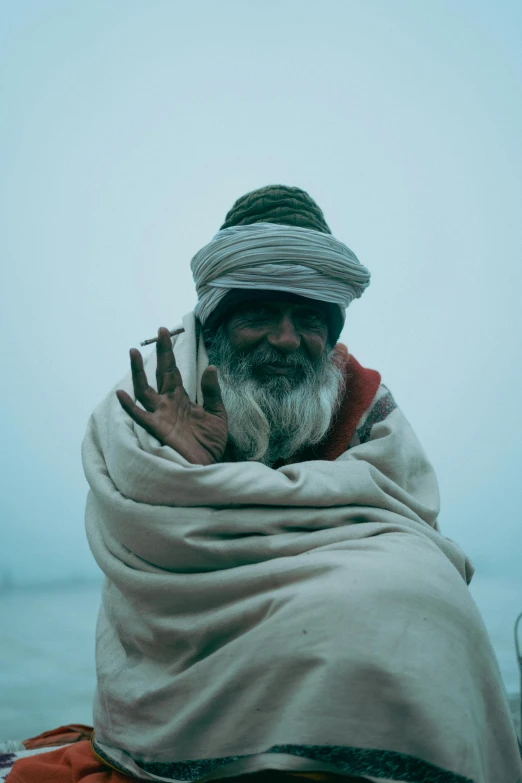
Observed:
{"x":341,"y":352}
{"x":208,"y":335}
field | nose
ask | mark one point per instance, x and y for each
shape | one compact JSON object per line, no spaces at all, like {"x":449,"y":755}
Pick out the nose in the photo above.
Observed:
{"x":284,"y":336}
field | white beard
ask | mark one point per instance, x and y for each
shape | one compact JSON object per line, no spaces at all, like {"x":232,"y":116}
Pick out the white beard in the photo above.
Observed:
{"x":274,"y":418}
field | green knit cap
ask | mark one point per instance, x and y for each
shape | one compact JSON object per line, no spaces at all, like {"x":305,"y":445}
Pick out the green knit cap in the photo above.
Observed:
{"x":277,"y":204}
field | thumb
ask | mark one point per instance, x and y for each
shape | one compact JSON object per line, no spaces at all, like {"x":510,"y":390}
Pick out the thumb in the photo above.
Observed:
{"x":212,"y":401}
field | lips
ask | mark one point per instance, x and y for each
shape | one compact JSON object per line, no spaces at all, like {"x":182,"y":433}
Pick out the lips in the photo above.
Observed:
{"x":279,"y":369}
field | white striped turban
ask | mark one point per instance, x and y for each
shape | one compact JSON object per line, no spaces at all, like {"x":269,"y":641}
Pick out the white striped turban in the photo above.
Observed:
{"x":275,"y":257}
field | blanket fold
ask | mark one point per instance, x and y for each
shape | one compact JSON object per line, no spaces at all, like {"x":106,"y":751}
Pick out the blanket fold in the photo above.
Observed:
{"x":310,"y":618}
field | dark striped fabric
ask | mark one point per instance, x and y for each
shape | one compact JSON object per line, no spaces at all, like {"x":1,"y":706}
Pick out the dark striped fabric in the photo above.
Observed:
{"x":379,"y":412}
{"x":347,"y":760}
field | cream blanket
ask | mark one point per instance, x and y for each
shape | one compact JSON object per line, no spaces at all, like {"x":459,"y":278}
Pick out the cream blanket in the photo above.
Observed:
{"x":305,"y":618}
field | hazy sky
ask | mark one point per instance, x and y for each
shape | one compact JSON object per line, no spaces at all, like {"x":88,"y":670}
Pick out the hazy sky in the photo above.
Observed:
{"x":128,"y":129}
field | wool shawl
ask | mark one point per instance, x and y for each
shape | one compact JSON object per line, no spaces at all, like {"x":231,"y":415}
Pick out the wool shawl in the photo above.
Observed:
{"x":306,"y":618}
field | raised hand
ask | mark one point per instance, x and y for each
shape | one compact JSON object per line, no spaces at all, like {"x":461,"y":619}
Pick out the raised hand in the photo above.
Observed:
{"x":198,"y":433}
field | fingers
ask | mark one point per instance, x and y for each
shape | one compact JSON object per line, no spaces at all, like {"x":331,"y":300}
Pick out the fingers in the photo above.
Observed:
{"x":168,"y":377}
{"x":212,"y":401}
{"x":142,"y":391}
{"x":129,"y":406}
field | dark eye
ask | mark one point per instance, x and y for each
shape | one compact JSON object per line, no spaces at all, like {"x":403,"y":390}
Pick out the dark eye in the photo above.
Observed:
{"x":313,"y":316}
{"x":256,"y":313}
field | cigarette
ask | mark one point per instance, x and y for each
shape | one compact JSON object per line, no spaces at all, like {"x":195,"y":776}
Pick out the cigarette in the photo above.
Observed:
{"x":172,"y":333}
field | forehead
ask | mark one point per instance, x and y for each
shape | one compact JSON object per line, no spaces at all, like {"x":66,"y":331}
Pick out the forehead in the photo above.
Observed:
{"x":278,"y":299}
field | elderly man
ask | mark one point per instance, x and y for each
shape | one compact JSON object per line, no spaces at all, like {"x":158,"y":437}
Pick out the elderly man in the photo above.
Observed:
{"x":278,"y":596}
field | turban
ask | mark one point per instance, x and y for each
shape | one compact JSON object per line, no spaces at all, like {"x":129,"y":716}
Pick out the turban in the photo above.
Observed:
{"x":274,"y":257}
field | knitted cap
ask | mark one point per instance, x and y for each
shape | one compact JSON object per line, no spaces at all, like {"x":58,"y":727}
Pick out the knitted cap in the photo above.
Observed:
{"x":277,"y":204}
{"x":289,"y":206}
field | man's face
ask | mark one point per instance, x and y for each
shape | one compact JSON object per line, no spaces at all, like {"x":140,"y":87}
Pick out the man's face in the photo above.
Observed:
{"x":279,"y":377}
{"x":283,"y":333}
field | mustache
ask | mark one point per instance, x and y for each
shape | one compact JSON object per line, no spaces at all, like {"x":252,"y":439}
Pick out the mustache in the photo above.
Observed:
{"x":267,"y":354}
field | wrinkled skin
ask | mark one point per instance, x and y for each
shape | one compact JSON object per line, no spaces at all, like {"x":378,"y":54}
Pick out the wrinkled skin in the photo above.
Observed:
{"x":197,"y":432}
{"x":200,"y":432}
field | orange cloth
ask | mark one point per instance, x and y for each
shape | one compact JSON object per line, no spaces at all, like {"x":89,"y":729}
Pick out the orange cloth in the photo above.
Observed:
{"x":63,"y":735}
{"x":73,"y":763}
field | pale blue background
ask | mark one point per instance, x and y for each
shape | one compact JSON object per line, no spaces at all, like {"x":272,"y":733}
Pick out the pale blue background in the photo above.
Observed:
{"x":127,"y":131}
